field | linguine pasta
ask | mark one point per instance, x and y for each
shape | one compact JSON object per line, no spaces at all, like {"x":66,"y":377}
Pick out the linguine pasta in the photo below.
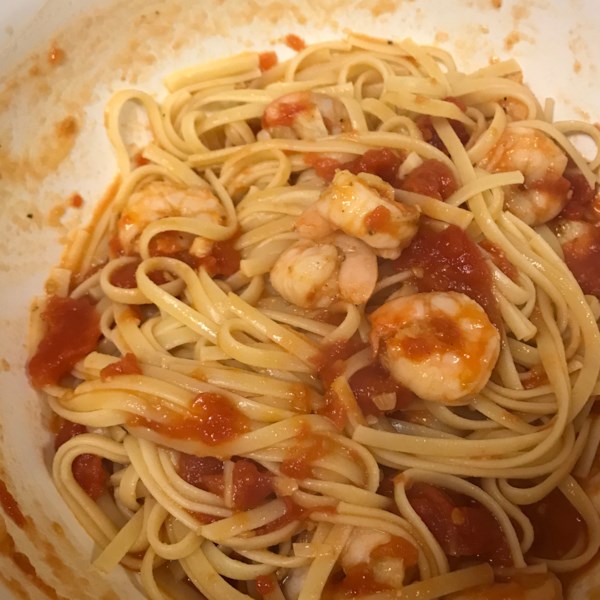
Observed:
{"x":238,"y":414}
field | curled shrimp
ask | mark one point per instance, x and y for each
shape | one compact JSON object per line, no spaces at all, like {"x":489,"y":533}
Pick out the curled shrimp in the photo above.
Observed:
{"x":306,"y":116}
{"x":533,"y":586}
{"x":440,"y":345}
{"x":362,"y":206}
{"x":544,"y":192}
{"x":160,"y":199}
{"x":313,"y":274}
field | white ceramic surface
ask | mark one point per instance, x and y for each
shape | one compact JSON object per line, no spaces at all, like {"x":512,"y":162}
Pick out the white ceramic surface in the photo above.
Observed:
{"x":134,"y":43}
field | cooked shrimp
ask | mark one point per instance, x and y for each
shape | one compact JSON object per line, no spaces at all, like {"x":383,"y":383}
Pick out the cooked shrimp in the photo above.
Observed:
{"x":362,"y":206}
{"x":315,"y":274}
{"x":440,"y":345}
{"x":305,"y":116}
{"x":161,"y":199}
{"x":545,"y":191}
{"x":387,"y":567}
{"x":526,"y":587}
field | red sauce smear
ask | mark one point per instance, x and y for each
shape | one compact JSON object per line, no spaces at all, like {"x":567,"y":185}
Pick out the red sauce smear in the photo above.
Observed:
{"x":359,"y":580}
{"x":383,"y":162}
{"x":72,"y":332}
{"x":431,"y":178}
{"x":534,"y":378}
{"x":293,"y":512}
{"x":267,"y":60}
{"x":251,"y":484}
{"x":285,"y":110}
{"x":299,"y":458}
{"x":294,"y":42}
{"x":449,"y":260}
{"x":556,"y":525}
{"x":76,"y":201}
{"x":223,"y":259}
{"x":430,"y":134}
{"x":379,"y":220}
{"x":10,"y":506}
{"x":87,"y":469}
{"x":203,"y":472}
{"x":331,"y":358}
{"x":266,"y":584}
{"x":124,"y":276}
{"x":213,"y":420}
{"x":500,"y":260}
{"x":462,"y":527}
{"x":582,"y":256}
{"x":375,"y":380}
{"x":582,"y":204}
{"x":334,"y":409}
{"x":126,"y":365}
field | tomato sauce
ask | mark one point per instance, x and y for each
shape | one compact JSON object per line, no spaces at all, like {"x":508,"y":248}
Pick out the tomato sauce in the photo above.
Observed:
{"x":581,"y":205}
{"x":267,"y":60}
{"x":431,"y":178}
{"x":213,"y":419}
{"x":10,"y":506}
{"x":500,"y":260}
{"x":203,"y":472}
{"x":375,"y":380}
{"x":126,"y":365}
{"x":334,"y":409}
{"x":124,"y":276}
{"x":462,"y":527}
{"x":223,"y":259}
{"x":330,"y":360}
{"x":556,"y":525}
{"x":293,"y":512}
{"x":251,"y":486}
{"x":87,"y":469}
{"x":72,"y":332}
{"x":294,"y":42}
{"x":284,"y":113}
{"x":299,"y":458}
{"x":449,"y":260}
{"x":582,"y":256}
{"x":430,"y":134}
{"x":534,"y":378}
{"x":379,"y":220}
{"x":266,"y":584}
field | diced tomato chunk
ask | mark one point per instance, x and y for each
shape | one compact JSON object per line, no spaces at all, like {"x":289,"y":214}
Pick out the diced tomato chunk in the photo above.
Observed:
{"x":87,"y":469}
{"x":126,"y":365}
{"x":250,"y":485}
{"x":267,"y":60}
{"x":556,"y":525}
{"x":72,"y":332}
{"x":431,"y":178}
{"x":463,"y":528}
{"x":449,"y":261}
{"x":294,"y":42}
{"x":223,"y":260}
{"x":204,"y":472}
{"x":375,"y":380}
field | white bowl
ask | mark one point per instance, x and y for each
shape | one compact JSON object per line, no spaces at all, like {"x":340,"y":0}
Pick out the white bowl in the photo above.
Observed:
{"x":113,"y":45}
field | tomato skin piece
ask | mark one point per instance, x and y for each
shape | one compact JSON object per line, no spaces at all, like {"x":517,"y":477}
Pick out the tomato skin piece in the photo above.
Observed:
{"x":72,"y":332}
